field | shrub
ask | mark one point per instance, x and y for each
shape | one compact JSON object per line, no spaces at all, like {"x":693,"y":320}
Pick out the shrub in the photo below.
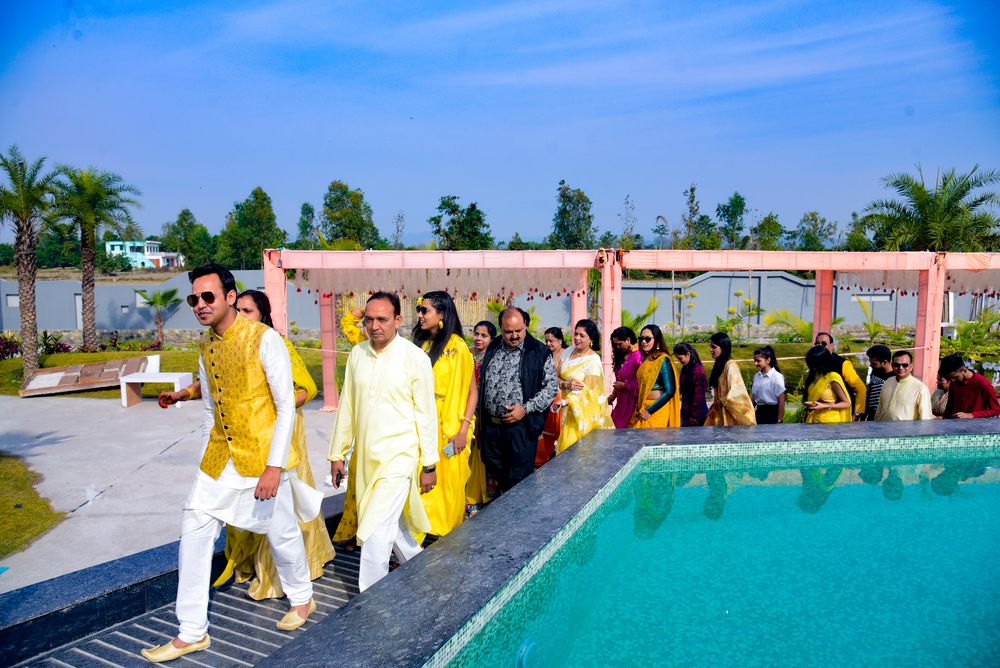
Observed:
{"x":10,"y":346}
{"x":50,"y":344}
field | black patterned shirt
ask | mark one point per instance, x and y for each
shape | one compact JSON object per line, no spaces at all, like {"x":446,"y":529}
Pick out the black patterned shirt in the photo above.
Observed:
{"x":503,"y":383}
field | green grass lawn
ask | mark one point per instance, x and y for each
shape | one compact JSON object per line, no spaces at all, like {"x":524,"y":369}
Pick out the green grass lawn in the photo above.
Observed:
{"x":23,"y":514}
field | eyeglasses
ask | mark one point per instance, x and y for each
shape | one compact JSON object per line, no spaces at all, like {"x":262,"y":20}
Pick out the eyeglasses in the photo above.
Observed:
{"x":647,"y":339}
{"x":207,"y":297}
{"x":900,"y":365}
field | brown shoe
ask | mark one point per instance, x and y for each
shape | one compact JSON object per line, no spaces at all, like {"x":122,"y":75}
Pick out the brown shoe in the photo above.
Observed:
{"x":292,"y":620}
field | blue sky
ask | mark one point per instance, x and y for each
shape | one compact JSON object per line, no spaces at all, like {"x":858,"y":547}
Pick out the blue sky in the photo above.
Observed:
{"x":799,"y":106}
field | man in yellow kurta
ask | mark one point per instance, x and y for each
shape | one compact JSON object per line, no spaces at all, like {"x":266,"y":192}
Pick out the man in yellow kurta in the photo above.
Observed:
{"x":903,"y":396}
{"x":246,"y":386}
{"x":387,"y":411}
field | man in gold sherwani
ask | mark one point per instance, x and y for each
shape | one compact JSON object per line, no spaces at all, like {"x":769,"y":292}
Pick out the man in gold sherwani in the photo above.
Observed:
{"x":387,"y":412}
{"x":249,"y":407}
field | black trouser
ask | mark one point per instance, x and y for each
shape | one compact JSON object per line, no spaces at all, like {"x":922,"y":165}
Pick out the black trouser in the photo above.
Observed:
{"x":767,"y":413}
{"x":508,"y":452}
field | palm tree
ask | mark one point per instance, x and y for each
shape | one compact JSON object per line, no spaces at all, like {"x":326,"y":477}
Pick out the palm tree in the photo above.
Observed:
{"x":636,"y":321}
{"x":956,"y":215}
{"x":24,"y":203}
{"x":160,"y":302}
{"x":94,"y":201}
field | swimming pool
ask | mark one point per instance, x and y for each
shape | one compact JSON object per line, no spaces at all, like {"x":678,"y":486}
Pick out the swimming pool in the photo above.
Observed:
{"x":829,"y":553}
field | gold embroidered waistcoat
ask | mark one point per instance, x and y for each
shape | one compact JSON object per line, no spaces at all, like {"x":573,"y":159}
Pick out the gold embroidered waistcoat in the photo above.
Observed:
{"x":241,"y":398}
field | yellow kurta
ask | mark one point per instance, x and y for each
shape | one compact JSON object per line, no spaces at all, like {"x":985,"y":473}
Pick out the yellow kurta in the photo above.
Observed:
{"x":249,"y":554}
{"x":387,"y":411}
{"x":445,"y":504}
{"x":585,"y":409}
{"x":734,"y":406}
{"x":851,"y":379}
{"x":821,"y":391}
{"x":907,"y":400}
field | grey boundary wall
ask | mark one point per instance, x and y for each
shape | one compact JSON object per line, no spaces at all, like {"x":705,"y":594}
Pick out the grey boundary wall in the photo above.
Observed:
{"x":117,"y":308}
{"x":406,"y":618}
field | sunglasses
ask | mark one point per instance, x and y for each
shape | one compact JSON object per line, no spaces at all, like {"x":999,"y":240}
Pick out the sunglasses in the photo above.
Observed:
{"x":207,"y":297}
{"x":647,"y":339}
{"x":422,"y":310}
{"x":900,"y":365}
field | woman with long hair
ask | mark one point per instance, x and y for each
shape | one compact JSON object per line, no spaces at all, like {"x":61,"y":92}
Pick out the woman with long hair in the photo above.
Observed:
{"x":556,"y":343}
{"x":693,"y":384}
{"x":476,"y":495}
{"x":826,"y":398}
{"x":731,"y":404}
{"x":439,"y":332}
{"x":657,"y":377}
{"x":249,"y":554}
{"x":581,"y":379}
{"x":768,"y":389}
{"x":627,"y":357}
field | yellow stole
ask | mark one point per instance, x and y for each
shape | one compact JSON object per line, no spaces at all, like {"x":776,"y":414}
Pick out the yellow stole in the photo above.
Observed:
{"x":241,"y":397}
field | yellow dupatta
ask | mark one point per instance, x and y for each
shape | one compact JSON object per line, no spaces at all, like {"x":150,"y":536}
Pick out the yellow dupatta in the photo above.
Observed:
{"x":821,"y":390}
{"x":734,"y":406}
{"x":669,"y":415}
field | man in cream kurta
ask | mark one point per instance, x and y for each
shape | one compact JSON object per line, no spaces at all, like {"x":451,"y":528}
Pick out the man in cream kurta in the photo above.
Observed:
{"x":903,"y":396}
{"x":246,"y":385}
{"x":387,"y":412}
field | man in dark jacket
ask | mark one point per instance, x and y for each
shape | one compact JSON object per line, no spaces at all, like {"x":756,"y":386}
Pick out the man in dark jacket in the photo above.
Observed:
{"x":517,"y":383}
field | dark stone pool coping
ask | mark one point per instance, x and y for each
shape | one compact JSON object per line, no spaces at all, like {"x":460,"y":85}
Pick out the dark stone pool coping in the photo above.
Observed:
{"x":45,"y":615}
{"x":406,"y":618}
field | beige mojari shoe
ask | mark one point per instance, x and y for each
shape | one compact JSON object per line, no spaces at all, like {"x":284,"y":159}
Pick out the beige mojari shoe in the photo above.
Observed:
{"x":292,"y":621}
{"x":169,"y":652}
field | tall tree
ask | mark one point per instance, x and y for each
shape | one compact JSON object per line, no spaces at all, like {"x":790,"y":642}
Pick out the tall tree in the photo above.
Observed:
{"x":58,"y":246}
{"x":94,"y":201}
{"x":189,"y":238}
{"x":767,"y":234}
{"x":160,"y":302}
{"x":24,"y":202}
{"x":250,"y":228}
{"x":663,"y":234}
{"x":730,"y":215}
{"x":955,"y":214}
{"x":628,"y":221}
{"x":814,"y":233}
{"x":573,"y":224}
{"x":346,"y":215}
{"x":398,"y":229}
{"x":459,"y":228}
{"x":699,"y":230}
{"x":858,"y":239}
{"x":307,"y":228}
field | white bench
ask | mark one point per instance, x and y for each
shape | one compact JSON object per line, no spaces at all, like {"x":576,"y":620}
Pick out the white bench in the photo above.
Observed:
{"x":131,"y":384}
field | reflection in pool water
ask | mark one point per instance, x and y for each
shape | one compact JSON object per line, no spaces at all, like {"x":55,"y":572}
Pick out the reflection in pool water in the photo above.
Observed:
{"x":834,"y":563}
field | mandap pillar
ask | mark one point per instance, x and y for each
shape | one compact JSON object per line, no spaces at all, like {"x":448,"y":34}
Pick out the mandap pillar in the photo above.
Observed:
{"x":328,"y":348}
{"x":611,"y":310}
{"x":823,"y":303}
{"x":930,"y":307}
{"x":578,"y":301}
{"x":276,"y":290}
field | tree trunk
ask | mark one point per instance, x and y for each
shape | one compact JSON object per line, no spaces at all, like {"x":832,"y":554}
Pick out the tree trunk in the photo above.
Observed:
{"x":27,"y":268}
{"x":87,"y":259}
{"x":159,"y":328}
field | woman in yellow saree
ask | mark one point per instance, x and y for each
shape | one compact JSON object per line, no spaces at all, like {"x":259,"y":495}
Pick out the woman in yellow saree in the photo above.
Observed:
{"x":826,"y":398}
{"x":659,"y":399}
{"x":581,"y":379}
{"x":476,"y":490}
{"x":731,"y":404}
{"x":439,"y":332}
{"x":249,"y":555}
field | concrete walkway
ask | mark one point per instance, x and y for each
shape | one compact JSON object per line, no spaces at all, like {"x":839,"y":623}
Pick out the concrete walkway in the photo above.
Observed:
{"x":120,"y":474}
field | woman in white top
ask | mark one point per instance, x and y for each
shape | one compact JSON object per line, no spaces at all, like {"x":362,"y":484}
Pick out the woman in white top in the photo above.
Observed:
{"x":768,"y":391}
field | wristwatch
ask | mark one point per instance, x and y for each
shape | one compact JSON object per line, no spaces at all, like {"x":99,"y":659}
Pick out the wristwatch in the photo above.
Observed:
{"x":429,"y":469}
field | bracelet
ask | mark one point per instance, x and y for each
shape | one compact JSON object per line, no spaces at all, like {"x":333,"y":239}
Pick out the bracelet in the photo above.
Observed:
{"x":465,"y":419}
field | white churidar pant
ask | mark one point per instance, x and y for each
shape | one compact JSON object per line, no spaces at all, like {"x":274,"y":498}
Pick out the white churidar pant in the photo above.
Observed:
{"x":391,"y":535}
{"x":199,"y":531}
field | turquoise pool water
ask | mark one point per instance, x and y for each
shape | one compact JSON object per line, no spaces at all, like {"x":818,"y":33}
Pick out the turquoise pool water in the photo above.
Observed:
{"x":864,"y":560}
